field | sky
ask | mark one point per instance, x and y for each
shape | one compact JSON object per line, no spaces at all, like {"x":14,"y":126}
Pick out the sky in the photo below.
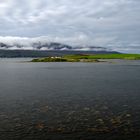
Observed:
{"x":114,"y":24}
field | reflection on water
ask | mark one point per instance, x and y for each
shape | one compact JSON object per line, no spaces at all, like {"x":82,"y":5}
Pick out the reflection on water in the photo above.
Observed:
{"x":80,"y":101}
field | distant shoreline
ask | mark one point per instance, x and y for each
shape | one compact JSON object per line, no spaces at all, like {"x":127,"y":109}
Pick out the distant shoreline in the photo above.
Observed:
{"x":87,"y":58}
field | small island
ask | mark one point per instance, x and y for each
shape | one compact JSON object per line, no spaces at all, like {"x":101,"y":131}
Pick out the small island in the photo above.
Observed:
{"x":63,"y":59}
{"x":87,"y":58}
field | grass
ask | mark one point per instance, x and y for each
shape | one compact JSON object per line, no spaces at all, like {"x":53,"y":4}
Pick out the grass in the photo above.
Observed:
{"x":88,"y":58}
{"x":106,"y":56}
{"x":53,"y":59}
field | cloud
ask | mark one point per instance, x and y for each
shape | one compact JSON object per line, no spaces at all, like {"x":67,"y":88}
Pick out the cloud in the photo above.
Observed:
{"x":95,"y":22}
{"x":27,"y":41}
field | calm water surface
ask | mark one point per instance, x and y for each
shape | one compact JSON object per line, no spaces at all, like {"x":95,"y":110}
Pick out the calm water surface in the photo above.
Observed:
{"x":70,"y":101}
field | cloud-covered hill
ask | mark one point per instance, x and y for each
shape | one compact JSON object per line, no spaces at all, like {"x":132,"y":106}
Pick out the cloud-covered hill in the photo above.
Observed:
{"x":42,"y":43}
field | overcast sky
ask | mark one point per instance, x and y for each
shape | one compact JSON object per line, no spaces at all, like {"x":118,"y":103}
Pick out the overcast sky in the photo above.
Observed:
{"x":108,"y":23}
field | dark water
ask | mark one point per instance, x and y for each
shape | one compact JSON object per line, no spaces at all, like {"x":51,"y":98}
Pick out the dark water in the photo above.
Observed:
{"x":69,"y":101}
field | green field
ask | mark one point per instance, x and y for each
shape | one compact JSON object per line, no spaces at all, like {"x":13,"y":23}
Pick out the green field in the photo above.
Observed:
{"x":87,"y":58}
{"x":105,"y":56}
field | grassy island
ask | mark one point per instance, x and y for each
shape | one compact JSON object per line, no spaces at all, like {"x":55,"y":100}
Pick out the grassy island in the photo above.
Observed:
{"x":63,"y":59}
{"x":87,"y":58}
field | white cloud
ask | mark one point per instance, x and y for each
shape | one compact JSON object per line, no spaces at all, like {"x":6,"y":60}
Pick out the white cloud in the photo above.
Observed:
{"x":96,"y":22}
{"x":72,"y":40}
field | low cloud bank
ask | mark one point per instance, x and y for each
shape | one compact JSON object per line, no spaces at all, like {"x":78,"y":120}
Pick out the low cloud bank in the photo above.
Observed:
{"x":47,"y":43}
{"x":77,"y":43}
